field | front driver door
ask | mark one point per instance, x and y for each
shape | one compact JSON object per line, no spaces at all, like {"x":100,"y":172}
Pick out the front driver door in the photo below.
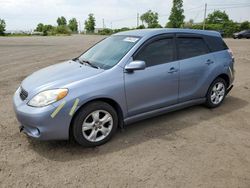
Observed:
{"x":157,"y":85}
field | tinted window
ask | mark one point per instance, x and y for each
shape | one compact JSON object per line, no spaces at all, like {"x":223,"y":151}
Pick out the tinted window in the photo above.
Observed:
{"x":157,"y":52}
{"x":191,"y":47}
{"x":216,"y":44}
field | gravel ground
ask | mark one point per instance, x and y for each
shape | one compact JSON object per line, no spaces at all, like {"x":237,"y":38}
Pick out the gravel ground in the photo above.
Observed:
{"x":194,"y":147}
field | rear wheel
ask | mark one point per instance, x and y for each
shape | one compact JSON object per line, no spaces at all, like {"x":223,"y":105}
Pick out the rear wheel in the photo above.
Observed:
{"x":95,"y":124}
{"x":216,"y":93}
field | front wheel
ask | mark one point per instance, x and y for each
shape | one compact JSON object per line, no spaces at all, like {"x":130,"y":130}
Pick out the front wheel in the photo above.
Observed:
{"x":95,"y":124}
{"x":216,"y":93}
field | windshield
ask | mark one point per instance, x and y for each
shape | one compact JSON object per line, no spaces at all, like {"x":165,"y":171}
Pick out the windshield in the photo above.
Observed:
{"x":110,"y":51}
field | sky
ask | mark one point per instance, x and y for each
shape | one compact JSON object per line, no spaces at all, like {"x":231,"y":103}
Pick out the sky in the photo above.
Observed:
{"x":26,"y":14}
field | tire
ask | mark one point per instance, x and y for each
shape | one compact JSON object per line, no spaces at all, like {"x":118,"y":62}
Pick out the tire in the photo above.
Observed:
{"x":95,"y":124}
{"x":216,"y":93}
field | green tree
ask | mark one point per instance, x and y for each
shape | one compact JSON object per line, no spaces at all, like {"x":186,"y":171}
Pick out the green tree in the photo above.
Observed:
{"x":229,"y":28}
{"x":61,"y":21}
{"x":105,"y":31}
{"x":90,"y":24}
{"x":176,"y":18}
{"x":151,"y":19}
{"x":141,"y":27}
{"x":245,"y":25}
{"x":219,"y":21}
{"x":217,"y":17}
{"x":2,"y":26}
{"x":73,"y":26}
{"x":63,"y":29}
{"x":39,"y":27}
{"x":45,"y":29}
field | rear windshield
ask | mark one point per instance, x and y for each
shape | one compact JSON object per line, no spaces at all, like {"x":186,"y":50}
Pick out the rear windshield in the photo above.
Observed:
{"x":110,"y":51}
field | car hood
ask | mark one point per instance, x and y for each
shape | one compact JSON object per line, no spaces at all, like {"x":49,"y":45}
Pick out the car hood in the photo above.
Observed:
{"x":58,"y":75}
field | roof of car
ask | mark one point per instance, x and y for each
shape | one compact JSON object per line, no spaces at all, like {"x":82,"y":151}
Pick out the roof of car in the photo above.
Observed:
{"x":153,"y":32}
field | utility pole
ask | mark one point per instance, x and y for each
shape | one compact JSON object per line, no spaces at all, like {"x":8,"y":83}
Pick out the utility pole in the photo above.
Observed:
{"x":205,"y":15}
{"x":103,"y":23}
{"x":79,"y":27}
{"x":138,"y":16}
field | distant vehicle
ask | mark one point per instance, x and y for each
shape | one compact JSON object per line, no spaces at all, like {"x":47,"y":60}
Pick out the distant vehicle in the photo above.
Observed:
{"x":242,"y":34}
{"x":36,"y":33}
{"x":125,"y":78}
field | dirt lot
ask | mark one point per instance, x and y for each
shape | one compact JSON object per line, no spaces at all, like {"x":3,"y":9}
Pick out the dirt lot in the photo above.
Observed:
{"x":194,"y":147}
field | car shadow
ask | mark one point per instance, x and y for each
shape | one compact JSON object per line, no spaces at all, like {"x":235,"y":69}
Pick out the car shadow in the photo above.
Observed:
{"x":160,"y":127}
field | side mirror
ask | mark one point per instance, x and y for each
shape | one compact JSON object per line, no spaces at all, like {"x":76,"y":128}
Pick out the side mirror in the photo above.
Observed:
{"x":135,"y":65}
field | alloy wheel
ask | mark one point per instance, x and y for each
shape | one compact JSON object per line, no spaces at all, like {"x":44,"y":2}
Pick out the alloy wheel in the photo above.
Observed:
{"x":97,"y":125}
{"x":218,"y":93}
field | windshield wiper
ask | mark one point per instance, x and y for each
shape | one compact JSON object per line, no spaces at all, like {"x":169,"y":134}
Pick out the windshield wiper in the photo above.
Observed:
{"x":86,"y":62}
{"x":91,"y":64}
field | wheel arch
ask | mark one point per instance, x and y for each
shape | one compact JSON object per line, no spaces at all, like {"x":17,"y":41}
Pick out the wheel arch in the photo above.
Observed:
{"x":224,"y":77}
{"x":109,"y":101}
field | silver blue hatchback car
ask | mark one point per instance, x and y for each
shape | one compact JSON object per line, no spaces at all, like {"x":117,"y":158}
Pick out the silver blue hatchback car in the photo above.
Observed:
{"x":125,"y":78}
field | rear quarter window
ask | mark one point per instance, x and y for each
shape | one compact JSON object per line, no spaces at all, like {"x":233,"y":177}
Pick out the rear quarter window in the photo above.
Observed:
{"x":216,"y":44}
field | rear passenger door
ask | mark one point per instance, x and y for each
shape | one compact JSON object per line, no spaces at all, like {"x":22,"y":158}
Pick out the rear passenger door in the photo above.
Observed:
{"x":195,"y":66}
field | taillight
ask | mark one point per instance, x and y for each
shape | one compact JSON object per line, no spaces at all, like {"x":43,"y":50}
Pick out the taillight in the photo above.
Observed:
{"x":231,"y":53}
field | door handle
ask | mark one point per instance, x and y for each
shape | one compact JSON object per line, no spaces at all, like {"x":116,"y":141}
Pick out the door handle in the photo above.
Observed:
{"x":209,"y":62}
{"x":172,"y":70}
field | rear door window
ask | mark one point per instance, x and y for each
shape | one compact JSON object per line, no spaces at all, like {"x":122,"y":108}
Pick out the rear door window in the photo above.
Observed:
{"x":188,"y":47}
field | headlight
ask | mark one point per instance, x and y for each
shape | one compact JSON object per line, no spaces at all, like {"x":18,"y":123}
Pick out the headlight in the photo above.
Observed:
{"x":45,"y":98}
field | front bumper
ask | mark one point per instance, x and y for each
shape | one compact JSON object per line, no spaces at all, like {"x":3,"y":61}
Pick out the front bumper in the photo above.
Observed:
{"x":38,"y":123}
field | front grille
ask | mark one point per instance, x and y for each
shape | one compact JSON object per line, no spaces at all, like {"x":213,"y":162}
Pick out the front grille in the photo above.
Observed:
{"x":23,"y":94}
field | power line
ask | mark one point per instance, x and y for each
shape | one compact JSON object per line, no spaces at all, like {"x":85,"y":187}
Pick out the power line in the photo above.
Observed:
{"x":197,"y":15}
{"x":159,"y":15}
{"x":229,"y":4}
{"x":232,"y":7}
{"x":193,"y":9}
